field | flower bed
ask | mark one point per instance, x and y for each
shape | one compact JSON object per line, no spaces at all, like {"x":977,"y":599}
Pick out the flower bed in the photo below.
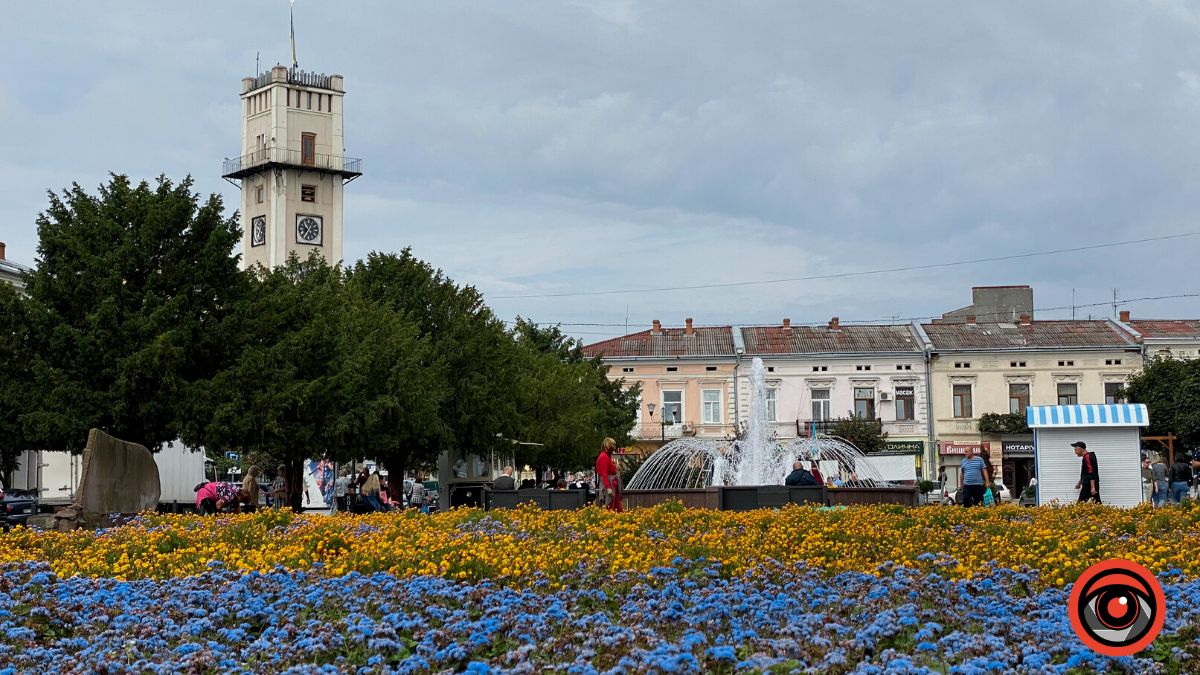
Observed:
{"x":683,"y":618}
{"x":520,"y":546}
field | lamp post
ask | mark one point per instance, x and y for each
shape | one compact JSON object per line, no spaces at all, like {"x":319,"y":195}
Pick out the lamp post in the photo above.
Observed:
{"x":663,"y":420}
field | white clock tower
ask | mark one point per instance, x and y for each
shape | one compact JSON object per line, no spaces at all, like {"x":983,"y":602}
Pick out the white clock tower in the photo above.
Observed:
{"x":292,"y":166}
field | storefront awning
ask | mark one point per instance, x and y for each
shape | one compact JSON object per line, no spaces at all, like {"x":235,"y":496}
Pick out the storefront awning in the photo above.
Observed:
{"x":1111,"y":415}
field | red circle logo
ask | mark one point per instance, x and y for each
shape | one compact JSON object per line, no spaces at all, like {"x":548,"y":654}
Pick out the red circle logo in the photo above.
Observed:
{"x":1117,"y":607}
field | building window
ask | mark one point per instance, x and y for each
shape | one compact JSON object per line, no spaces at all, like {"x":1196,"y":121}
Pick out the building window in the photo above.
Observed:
{"x":308,"y":149}
{"x":1065,"y":364}
{"x":820,"y":369}
{"x":672,"y":369}
{"x":770,"y":369}
{"x":711,"y":406}
{"x":962,"y":401}
{"x":627,"y":369}
{"x":258,"y":194}
{"x":672,"y":407}
{"x":772,"y":405}
{"x":308,"y":193}
{"x":710,"y":369}
{"x":1068,"y":393}
{"x":962,"y":364}
{"x":1113,"y":392}
{"x":820,"y":404}
{"x":906,"y":400}
{"x":862,"y":367}
{"x":1112,"y":362}
{"x":864,"y":402}
{"x":904,"y":366}
{"x":1016,"y":364}
{"x":1018,"y":397}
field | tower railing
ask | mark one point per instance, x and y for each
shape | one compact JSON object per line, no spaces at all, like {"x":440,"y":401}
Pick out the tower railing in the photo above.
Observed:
{"x":296,"y":76}
{"x":235,"y":168}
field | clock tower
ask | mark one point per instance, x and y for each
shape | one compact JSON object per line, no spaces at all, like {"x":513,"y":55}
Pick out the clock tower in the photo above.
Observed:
{"x":292,"y":166}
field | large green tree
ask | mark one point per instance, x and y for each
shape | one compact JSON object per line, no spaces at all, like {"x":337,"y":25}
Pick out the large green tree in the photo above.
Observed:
{"x":17,"y":379}
{"x":131,"y":286}
{"x":1170,"y":388}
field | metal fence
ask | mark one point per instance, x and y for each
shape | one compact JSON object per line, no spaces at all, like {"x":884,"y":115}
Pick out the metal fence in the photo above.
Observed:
{"x":336,"y":163}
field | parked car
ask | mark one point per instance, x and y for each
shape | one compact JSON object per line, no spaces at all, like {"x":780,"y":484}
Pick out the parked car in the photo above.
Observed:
{"x":955,"y":497}
{"x":16,"y":506}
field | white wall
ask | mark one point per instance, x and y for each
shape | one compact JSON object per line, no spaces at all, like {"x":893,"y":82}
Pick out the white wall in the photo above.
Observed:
{"x":1118,"y":452}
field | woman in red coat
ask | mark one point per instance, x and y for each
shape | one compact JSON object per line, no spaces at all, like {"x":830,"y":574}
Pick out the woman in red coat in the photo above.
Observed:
{"x":608,"y":476}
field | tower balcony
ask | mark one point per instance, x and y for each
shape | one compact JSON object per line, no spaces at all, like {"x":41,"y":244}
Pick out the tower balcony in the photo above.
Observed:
{"x":348,"y":168}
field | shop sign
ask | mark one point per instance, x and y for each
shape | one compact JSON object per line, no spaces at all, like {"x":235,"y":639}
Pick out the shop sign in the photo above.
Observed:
{"x":905,"y":446}
{"x":1018,"y":448}
{"x":954,"y":448}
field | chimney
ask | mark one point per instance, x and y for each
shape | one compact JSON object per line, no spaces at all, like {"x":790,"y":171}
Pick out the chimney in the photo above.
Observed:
{"x":1124,"y":313}
{"x":657,"y":330}
{"x":687,"y":330}
{"x":833,"y":324}
{"x":1025,"y":320}
{"x":970,"y":319}
{"x":787,"y":324}
{"x":2,"y":255}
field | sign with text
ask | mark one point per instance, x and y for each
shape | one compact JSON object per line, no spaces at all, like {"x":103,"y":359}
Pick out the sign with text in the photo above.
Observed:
{"x":1017,"y":448}
{"x":956,"y":448}
{"x":905,"y":446}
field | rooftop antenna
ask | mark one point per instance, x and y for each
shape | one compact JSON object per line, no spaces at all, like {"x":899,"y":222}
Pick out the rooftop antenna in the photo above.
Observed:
{"x":292,"y":23}
{"x":1114,"y":303}
{"x":257,"y":68}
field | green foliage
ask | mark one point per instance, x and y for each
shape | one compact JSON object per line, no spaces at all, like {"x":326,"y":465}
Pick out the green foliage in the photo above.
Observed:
{"x":16,"y":375}
{"x":123,"y":307}
{"x":926,"y":486}
{"x":866,"y":435}
{"x":1170,"y":389}
{"x":1003,"y":423}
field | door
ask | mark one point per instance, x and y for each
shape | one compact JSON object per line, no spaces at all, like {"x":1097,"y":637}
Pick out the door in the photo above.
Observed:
{"x":308,"y":149}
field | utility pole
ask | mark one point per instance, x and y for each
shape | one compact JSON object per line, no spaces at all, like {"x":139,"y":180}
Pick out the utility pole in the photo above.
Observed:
{"x":1114,"y":303}
{"x":1072,"y":304}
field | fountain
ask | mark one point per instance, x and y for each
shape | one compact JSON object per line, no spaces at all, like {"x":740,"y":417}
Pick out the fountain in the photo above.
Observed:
{"x":756,"y":458}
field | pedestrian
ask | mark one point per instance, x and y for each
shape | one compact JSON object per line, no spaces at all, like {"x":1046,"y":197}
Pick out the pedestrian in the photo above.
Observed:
{"x":1089,"y":474}
{"x":989,"y":478}
{"x":799,"y":477}
{"x":973,"y":471}
{"x":1196,"y":478}
{"x":417,"y":495}
{"x":608,"y":477}
{"x":816,"y":473}
{"x":250,"y":487}
{"x":1161,"y":472}
{"x":1181,"y":479}
{"x":1147,"y":480}
{"x":340,"y":488}
{"x":505,"y":481}
{"x":370,"y":491}
{"x":942,"y":479}
{"x":279,"y":487}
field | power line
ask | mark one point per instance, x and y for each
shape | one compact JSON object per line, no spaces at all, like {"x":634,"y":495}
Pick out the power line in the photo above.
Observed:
{"x":843,"y":275}
{"x":895,"y":319}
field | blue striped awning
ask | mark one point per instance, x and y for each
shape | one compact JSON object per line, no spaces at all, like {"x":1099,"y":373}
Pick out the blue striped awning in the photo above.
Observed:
{"x":1112,"y":415}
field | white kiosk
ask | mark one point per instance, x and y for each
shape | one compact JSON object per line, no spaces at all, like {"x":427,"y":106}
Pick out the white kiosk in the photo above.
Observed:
{"x":1112,"y":431}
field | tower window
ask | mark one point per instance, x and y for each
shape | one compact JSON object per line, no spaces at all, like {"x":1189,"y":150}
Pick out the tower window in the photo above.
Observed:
{"x":319,"y":97}
{"x":308,"y":193}
{"x":258,"y":194}
{"x":310,"y":100}
{"x":308,"y":148}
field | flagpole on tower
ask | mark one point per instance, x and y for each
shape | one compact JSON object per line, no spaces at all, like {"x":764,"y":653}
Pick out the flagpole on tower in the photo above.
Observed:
{"x":292,"y":23}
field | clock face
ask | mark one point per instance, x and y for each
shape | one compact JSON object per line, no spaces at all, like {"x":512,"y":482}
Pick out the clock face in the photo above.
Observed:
{"x":258,"y":230}
{"x":308,"y":230}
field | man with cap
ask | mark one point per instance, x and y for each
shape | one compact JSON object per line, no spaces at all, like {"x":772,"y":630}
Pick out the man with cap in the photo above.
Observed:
{"x":1089,"y":474}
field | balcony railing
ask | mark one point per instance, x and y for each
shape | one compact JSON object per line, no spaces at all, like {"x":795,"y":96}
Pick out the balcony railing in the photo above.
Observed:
{"x":652,"y":431}
{"x":803,"y":427}
{"x":347,"y":167}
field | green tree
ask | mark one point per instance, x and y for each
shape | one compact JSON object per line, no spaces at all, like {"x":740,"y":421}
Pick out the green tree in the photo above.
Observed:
{"x":867,"y":435}
{"x":16,"y":375}
{"x":282,"y":400}
{"x":130,"y":287}
{"x":1170,"y":388}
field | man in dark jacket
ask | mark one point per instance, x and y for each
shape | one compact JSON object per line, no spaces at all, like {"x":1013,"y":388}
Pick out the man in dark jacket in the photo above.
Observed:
{"x":799,"y":477}
{"x":1089,"y":474}
{"x":505,"y":481}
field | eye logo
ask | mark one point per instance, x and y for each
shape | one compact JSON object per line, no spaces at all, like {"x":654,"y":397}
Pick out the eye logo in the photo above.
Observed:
{"x":1117,"y":607}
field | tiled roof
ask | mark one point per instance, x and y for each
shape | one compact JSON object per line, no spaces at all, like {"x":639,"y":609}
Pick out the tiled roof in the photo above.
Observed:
{"x":856,"y":339}
{"x":1039,"y":334}
{"x":704,"y":341}
{"x":1167,"y":328}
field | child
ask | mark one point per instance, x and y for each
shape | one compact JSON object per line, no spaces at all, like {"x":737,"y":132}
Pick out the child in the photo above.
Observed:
{"x":279,"y":488}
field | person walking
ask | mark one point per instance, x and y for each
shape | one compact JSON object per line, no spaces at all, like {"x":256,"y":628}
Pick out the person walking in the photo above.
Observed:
{"x":1161,"y":472}
{"x":505,"y":481}
{"x":973,"y":471}
{"x":279,"y":488}
{"x":1181,"y":479}
{"x":417,"y":496}
{"x":816,"y":473}
{"x":1147,"y":480}
{"x":1089,"y":474}
{"x":608,"y":477}
{"x":370,"y":491}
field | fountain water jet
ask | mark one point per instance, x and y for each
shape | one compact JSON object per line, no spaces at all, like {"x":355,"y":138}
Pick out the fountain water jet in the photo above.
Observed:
{"x":756,"y":459}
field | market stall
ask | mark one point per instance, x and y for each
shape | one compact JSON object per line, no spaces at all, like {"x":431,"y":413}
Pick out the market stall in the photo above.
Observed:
{"x":1112,"y":431}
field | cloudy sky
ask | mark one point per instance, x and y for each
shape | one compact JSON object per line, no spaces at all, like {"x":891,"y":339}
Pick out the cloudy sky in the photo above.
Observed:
{"x":547,"y":148}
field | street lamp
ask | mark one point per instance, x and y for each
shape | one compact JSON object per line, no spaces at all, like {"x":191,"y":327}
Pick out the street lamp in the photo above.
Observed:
{"x":663,"y":420}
